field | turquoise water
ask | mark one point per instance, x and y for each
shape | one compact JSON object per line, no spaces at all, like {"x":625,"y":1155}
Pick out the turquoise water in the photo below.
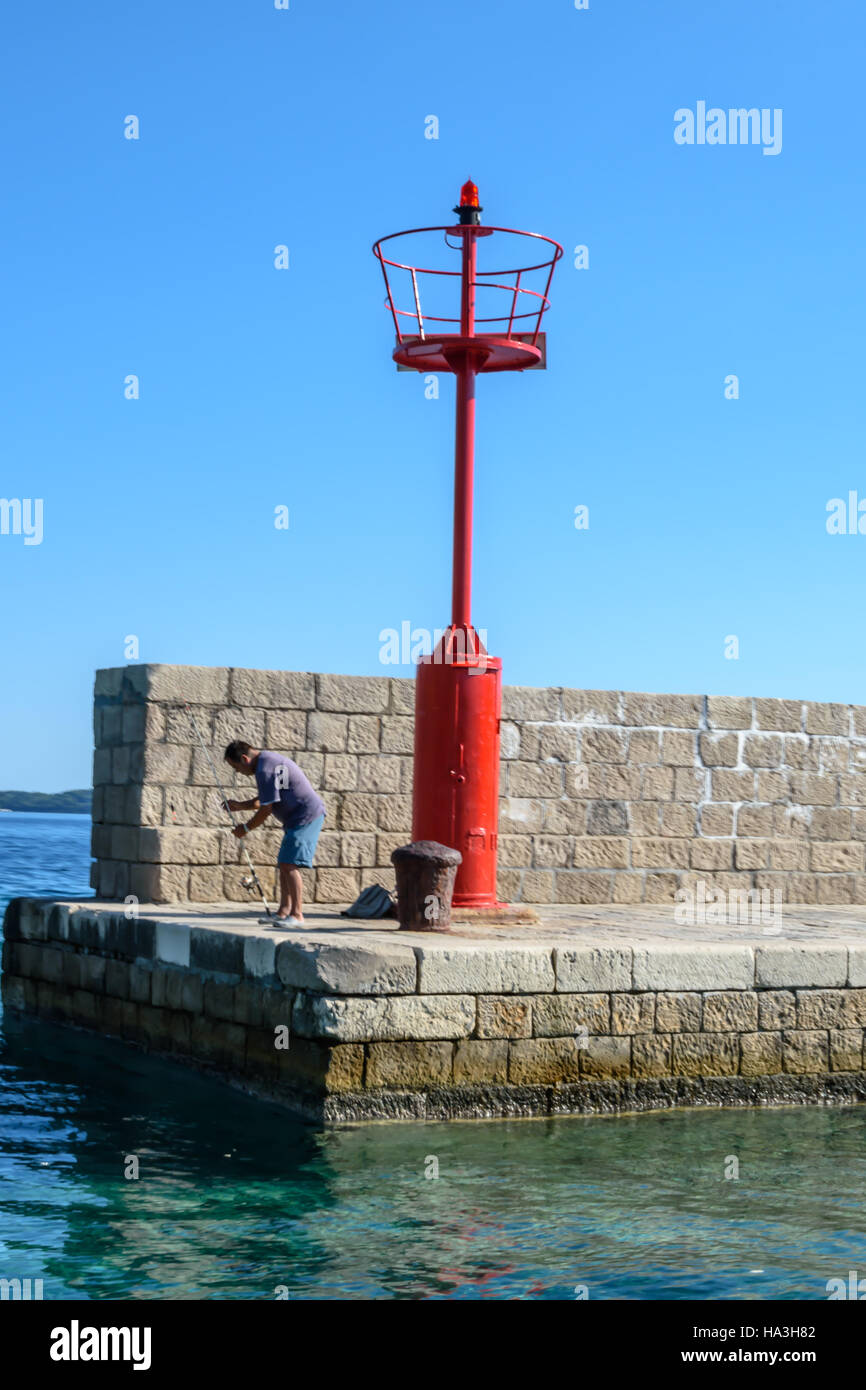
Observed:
{"x":236,"y":1199}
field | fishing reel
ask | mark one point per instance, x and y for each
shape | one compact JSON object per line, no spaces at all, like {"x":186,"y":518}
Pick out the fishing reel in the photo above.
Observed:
{"x":249,"y":883}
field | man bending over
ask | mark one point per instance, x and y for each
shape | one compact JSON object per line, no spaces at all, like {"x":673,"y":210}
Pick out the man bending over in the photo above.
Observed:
{"x":285,"y":793}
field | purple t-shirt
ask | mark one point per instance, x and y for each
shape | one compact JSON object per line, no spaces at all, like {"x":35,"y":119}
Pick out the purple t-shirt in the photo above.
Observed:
{"x":282,"y":784}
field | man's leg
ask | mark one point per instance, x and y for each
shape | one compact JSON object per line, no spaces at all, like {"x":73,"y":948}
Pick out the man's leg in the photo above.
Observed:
{"x":296,"y":891}
{"x":286,"y":871}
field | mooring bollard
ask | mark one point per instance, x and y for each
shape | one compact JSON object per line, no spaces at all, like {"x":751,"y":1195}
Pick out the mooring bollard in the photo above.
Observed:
{"x":425,"y":872}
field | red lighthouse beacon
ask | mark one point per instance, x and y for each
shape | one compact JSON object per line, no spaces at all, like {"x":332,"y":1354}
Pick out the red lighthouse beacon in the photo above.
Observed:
{"x":458,"y":690}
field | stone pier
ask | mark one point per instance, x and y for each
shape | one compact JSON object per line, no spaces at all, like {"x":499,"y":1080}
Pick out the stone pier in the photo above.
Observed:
{"x":589,"y":1010}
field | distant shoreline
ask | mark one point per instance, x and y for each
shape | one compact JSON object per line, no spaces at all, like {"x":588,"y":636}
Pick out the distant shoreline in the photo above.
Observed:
{"x":78,"y":802}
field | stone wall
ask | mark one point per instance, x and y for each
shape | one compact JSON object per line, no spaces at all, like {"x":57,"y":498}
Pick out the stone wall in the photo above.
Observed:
{"x":605,"y":796}
{"x":375,"y":1025}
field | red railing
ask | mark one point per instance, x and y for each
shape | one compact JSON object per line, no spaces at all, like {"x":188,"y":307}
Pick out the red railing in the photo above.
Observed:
{"x":483,"y":280}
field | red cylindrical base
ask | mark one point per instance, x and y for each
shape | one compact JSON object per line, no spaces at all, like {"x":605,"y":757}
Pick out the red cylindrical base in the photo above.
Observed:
{"x":456,"y":790}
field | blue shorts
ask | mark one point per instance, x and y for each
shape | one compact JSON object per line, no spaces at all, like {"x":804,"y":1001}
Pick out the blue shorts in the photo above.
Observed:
{"x":299,"y":845}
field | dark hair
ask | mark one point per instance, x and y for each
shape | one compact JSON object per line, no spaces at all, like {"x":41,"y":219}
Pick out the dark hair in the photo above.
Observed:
{"x":236,"y":750}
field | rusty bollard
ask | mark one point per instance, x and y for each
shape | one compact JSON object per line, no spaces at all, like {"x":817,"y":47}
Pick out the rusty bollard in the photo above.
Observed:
{"x":425,"y":872}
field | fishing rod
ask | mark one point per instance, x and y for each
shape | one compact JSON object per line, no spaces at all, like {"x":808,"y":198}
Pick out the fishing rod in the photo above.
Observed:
{"x":253,"y":880}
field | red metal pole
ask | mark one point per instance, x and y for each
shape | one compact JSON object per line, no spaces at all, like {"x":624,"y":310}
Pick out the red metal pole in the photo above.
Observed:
{"x":464,"y":445}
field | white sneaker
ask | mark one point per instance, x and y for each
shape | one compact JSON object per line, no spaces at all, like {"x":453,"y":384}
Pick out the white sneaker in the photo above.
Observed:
{"x":280,"y":921}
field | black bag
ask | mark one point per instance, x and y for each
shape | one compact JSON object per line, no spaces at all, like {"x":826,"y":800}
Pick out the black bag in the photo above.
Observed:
{"x":375,"y":901}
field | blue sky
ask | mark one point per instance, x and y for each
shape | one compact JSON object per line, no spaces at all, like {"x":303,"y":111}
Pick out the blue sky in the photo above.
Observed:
{"x":261,"y":388}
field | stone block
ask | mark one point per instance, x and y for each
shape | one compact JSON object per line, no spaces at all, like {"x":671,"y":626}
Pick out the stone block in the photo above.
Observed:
{"x":651,"y":1054}
{"x":205,"y":884}
{"x":595,"y":851}
{"x":379,"y":773}
{"x":657,"y":784}
{"x":730,"y":1011}
{"x":535,"y":780}
{"x":365,"y":732}
{"x":846,"y":1049}
{"x":171,"y":845}
{"x":717,"y":820}
{"x":828,"y":719}
{"x":526,"y":703}
{"x":538,"y":886}
{"x":670,"y":711}
{"x":788,"y":964}
{"x":273,"y":690}
{"x":336,"y":885}
{"x":520,"y":816}
{"x":561,"y":1015}
{"x":678,"y":1013}
{"x":544,"y":1061}
{"x":661,"y":853}
{"x":690,"y":784}
{"x":219,"y":952}
{"x":679,"y":750}
{"x":777,"y":1010}
{"x":605,"y":1058}
{"x":820,"y":1008}
{"x":813,"y":789}
{"x":402,"y":695}
{"x":365,"y":969}
{"x":760,"y":1054}
{"x":620,"y":784}
{"x":353,"y":694}
{"x":660,"y":888}
{"x":781,"y":715}
{"x":632,"y":1013}
{"x":166,"y":763}
{"x":548,"y":743}
{"x":485,"y":968}
{"x":644,"y":746}
{"x":732,"y":786}
{"x":285,"y":729}
{"x":357,"y":849}
{"x":805,"y":1052}
{"x":415,"y":1065}
{"x":590,"y":969}
{"x":834,"y":888}
{"x":326,"y":733}
{"x":219,"y":999}
{"x":480,"y":1062}
{"x":591,"y":707}
{"x":102,"y":767}
{"x":719,"y":750}
{"x":606,"y":818}
{"x":708,"y":966}
{"x":603,"y":745}
{"x":706,"y":1054}
{"x":398,"y":734}
{"x":71,"y":974}
{"x":837,"y":858}
{"x":772,"y":786}
{"x":218,"y":1043}
{"x":384,"y":1017}
{"x":579,"y":886}
{"x":752,"y":854}
{"x":729,"y":712}
{"x":627,"y":888}
{"x":504,"y":1016}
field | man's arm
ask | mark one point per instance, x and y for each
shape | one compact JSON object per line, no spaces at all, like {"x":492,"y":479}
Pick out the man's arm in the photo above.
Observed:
{"x":251,"y":805}
{"x":258,"y":819}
